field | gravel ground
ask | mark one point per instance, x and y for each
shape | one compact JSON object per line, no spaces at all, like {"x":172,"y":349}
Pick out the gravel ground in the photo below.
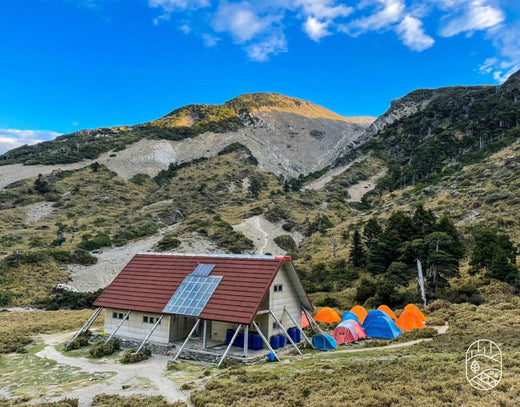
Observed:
{"x":262,"y":233}
{"x":128,"y":376}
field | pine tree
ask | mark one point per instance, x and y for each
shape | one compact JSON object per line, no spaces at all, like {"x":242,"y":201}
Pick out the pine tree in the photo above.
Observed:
{"x":357,"y":252}
{"x":372,"y":232}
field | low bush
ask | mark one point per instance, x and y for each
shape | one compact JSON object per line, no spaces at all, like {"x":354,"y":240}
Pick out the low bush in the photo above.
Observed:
{"x":62,"y":299}
{"x":130,"y":357}
{"x":167,"y":243}
{"x":95,"y":242}
{"x":103,"y":348}
{"x":80,"y":342}
{"x":285,"y":242}
{"x":139,"y":400}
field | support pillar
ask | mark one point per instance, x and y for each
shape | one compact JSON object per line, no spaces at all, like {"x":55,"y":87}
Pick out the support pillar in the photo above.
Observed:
{"x":187,"y":339}
{"x":246,"y":340}
{"x":204,"y":334}
{"x":265,"y":340}
{"x":230,"y":345}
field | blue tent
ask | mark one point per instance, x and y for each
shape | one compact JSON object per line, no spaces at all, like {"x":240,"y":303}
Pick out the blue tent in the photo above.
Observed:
{"x":382,"y":327}
{"x":373,"y":314}
{"x":324,"y":342}
{"x":349,"y":315}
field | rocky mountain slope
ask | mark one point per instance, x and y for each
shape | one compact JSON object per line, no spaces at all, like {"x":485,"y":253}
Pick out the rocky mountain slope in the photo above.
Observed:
{"x":288,"y":137}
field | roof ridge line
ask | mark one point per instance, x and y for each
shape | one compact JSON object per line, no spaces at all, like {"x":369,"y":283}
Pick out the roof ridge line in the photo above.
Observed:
{"x":232,"y":256}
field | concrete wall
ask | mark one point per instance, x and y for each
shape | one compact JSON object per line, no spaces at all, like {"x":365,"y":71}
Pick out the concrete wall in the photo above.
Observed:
{"x":218,"y":330}
{"x":135,"y":328}
{"x":287,"y":298}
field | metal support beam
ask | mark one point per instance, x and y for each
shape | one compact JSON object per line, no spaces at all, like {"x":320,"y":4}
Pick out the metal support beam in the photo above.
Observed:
{"x":286,"y":334}
{"x":141,"y":346}
{"x":86,"y":326}
{"x":246,"y":340}
{"x":265,"y":340}
{"x":299,"y":328}
{"x":118,"y":326}
{"x":312,"y":321}
{"x":204,"y":334}
{"x":187,"y":339}
{"x":230,"y":345}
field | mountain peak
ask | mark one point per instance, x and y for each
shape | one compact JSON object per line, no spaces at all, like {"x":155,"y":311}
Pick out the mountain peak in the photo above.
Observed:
{"x":250,"y":103}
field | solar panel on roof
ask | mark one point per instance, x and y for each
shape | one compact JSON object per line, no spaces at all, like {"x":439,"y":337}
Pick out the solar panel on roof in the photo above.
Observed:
{"x":192,"y":295}
{"x":203,"y":270}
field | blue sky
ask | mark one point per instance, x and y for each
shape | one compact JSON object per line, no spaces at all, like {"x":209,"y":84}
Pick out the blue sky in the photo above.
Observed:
{"x":66,"y":65}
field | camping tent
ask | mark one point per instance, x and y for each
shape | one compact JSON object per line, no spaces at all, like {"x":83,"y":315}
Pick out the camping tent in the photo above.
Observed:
{"x":409,"y":321}
{"x":324,"y":342}
{"x":348,"y":331}
{"x":382,"y":327}
{"x":388,"y":311}
{"x":327,"y":315}
{"x":373,"y":314}
{"x":414,"y":310}
{"x":360,"y":312}
{"x":305,"y":321}
{"x":349,"y":315}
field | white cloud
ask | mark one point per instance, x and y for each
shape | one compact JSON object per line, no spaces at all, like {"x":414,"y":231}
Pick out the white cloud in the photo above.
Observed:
{"x":12,"y":138}
{"x":241,"y":21}
{"x":507,"y":41}
{"x":210,"y":40}
{"x":323,"y":9}
{"x":260,"y":51}
{"x":316,"y":29}
{"x":169,"y":6}
{"x":185,"y":28}
{"x":468,"y":15}
{"x":411,"y":32}
{"x":388,"y":13}
{"x":488,"y":66}
{"x":256,"y":26}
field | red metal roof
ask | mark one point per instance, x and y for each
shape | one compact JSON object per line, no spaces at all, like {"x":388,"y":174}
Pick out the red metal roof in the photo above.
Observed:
{"x":148,"y":282}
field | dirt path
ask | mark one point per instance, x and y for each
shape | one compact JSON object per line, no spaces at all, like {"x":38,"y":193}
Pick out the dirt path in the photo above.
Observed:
{"x":262,"y":233}
{"x":146,"y":377}
{"x":325,"y":179}
{"x":357,"y":191}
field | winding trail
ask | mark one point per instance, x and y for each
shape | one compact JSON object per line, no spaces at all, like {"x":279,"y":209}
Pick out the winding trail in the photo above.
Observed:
{"x":263,"y":233}
{"x":128,"y":379}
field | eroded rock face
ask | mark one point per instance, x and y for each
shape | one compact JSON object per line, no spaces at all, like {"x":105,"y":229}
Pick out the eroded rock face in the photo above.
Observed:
{"x":399,"y":108}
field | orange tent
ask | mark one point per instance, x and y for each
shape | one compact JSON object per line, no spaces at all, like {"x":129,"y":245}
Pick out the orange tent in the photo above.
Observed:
{"x":328,"y":315}
{"x":386,"y":309}
{"x":409,"y":321}
{"x":360,"y":312}
{"x":414,"y":310}
{"x":305,"y":321}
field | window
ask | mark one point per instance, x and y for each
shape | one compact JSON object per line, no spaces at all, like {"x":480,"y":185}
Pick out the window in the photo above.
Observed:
{"x":120,"y":315}
{"x":117,"y":315}
{"x":278,"y":288}
{"x":150,"y":320}
{"x":275,"y":325}
{"x":114,"y":315}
